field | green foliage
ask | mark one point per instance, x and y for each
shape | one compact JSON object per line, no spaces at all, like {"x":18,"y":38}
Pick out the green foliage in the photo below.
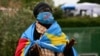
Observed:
{"x":29,"y":3}
{"x":11,"y":28}
{"x":79,"y":22}
{"x":4,"y":3}
{"x":23,"y":3}
{"x":50,"y":2}
{"x":58,"y":13}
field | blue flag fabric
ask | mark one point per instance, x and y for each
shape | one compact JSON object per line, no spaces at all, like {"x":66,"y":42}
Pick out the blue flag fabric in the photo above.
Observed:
{"x":53,"y":39}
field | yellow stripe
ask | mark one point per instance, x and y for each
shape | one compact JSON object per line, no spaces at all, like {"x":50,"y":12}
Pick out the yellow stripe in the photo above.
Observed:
{"x":22,"y":54}
{"x":57,"y":40}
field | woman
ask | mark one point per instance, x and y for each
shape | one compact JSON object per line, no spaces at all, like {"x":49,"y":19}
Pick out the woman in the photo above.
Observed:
{"x":44,"y":37}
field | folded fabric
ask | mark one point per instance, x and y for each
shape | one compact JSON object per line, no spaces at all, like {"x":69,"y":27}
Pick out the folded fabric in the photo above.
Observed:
{"x":53,"y":39}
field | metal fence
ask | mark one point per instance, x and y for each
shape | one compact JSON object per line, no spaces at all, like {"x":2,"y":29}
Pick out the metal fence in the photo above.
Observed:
{"x":87,"y":39}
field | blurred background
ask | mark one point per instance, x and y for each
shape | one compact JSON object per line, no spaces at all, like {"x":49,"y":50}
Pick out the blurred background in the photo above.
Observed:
{"x":79,"y":19}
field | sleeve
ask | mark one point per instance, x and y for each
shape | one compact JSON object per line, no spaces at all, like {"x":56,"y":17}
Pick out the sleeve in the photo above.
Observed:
{"x":22,"y":47}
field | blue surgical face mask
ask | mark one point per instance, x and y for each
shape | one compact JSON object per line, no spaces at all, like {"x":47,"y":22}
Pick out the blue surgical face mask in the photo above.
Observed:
{"x":45,"y":17}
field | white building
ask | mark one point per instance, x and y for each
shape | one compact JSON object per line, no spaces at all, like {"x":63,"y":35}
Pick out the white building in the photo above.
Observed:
{"x":89,"y":9}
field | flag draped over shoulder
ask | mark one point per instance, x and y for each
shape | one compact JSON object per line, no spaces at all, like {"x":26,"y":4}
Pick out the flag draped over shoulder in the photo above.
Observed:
{"x":53,"y":39}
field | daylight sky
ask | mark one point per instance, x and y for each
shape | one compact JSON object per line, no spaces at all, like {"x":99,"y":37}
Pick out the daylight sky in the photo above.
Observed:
{"x":58,"y":2}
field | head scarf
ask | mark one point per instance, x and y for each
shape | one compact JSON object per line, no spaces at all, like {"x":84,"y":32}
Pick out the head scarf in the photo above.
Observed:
{"x":39,"y":7}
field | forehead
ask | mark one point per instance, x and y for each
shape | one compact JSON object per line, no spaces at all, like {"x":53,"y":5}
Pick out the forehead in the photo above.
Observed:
{"x":45,"y":9}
